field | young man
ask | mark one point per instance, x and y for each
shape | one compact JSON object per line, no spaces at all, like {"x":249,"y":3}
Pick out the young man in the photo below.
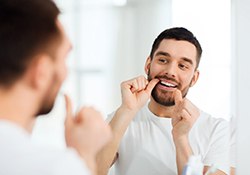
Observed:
{"x":158,"y":137}
{"x":33,"y":55}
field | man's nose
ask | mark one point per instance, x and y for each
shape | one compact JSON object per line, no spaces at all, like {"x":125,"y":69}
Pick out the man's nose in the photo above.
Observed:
{"x":171,"y":69}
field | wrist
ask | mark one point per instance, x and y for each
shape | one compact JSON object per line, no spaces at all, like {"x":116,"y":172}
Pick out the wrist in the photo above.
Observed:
{"x":183,"y":147}
{"x":90,"y":162}
{"x":126,"y":110}
{"x":180,"y":139}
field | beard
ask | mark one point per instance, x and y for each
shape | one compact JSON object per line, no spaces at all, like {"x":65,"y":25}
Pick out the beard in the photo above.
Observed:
{"x":166,"y":98}
{"x":46,"y":108}
{"x":47,"y":103}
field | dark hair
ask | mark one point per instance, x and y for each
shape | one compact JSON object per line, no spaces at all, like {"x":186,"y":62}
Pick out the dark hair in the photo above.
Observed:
{"x":177,"y":33}
{"x":27,"y":28}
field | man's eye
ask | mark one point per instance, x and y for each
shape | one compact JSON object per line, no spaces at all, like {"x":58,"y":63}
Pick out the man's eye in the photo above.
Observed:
{"x":183,"y":66}
{"x":163,"y":60}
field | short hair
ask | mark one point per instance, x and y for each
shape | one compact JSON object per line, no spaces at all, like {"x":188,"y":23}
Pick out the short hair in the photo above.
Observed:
{"x":177,"y":33}
{"x":27,"y":28}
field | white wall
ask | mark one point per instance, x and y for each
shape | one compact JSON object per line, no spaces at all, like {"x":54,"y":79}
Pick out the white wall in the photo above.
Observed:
{"x":141,"y":22}
{"x":210,"y":21}
{"x":241,"y":104}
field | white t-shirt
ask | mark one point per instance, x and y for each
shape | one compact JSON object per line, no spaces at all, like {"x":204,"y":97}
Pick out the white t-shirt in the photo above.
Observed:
{"x":19,"y":156}
{"x":147,"y":146}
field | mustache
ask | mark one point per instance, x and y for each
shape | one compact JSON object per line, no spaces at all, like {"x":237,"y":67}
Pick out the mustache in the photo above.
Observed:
{"x":165,"y":77}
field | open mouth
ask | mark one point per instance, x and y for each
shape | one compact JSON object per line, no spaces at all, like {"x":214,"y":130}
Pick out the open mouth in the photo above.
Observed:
{"x":167,"y":84}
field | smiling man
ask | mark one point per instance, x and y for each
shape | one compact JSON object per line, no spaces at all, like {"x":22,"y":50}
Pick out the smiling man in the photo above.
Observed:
{"x":158,"y":137}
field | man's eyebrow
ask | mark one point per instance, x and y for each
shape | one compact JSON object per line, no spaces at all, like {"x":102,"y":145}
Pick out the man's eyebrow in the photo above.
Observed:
{"x":187,"y":60}
{"x":168,"y":55}
{"x":162,"y":53}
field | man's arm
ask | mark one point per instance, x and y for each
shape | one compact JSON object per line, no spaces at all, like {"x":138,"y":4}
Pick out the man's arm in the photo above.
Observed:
{"x":183,"y":152}
{"x":108,"y":155}
{"x":184,"y":116}
{"x":135,"y":93}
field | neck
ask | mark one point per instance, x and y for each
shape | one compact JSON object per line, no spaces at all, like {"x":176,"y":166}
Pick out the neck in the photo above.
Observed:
{"x":160,"y":110}
{"x":17,"y":106}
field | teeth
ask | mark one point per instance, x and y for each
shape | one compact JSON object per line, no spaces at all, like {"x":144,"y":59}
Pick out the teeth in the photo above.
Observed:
{"x":167,"y":84}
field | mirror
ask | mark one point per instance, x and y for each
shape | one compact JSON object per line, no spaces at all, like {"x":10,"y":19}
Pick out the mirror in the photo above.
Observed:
{"x":112,"y":40}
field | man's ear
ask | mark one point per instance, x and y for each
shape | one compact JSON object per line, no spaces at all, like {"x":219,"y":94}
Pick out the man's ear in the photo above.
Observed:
{"x":39,"y":72}
{"x":147,"y":65}
{"x":195,"y":78}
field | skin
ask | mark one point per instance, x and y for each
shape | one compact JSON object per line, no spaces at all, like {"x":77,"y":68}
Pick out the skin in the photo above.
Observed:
{"x":232,"y":171}
{"x":174,"y":62}
{"x":35,"y":92}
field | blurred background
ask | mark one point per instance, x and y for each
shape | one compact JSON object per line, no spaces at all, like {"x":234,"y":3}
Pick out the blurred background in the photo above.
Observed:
{"x":112,"y":39}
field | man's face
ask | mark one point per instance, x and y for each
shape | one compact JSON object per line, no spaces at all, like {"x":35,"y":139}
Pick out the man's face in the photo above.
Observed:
{"x":58,"y":74}
{"x":174,"y":64}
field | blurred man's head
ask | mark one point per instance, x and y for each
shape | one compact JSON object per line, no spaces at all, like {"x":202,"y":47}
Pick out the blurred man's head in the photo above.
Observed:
{"x":59,"y":72}
{"x":31,"y":37}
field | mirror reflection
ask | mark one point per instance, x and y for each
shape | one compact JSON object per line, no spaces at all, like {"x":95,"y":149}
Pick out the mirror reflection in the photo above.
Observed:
{"x":112,"y":41}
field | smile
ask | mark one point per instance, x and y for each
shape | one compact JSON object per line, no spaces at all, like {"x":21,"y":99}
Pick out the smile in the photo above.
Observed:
{"x":168,"y":84}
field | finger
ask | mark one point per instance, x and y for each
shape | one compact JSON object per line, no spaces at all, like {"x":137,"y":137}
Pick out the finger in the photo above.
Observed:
{"x":151,"y":85}
{"x":142,"y":83}
{"x":134,"y":86}
{"x":185,"y":114}
{"x":83,"y":114}
{"x":69,"y":114}
{"x":187,"y":118}
{"x":191,"y":108}
{"x":177,"y":96}
{"x":139,"y":84}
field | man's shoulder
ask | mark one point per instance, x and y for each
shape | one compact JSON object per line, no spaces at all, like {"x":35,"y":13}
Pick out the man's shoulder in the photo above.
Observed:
{"x":40,"y":157}
{"x":204,"y":116}
{"x":208,"y":121}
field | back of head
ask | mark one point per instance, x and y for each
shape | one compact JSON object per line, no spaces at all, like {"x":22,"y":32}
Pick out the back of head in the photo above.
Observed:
{"x":177,"y":33}
{"x":28,"y":27}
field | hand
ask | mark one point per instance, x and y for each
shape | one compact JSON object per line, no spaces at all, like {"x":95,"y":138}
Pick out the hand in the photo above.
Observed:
{"x":86,"y":132}
{"x":136,"y":92}
{"x":184,"y":115}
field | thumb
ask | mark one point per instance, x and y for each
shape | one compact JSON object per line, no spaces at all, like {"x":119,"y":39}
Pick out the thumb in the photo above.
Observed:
{"x":177,"y":96}
{"x":151,"y":85}
{"x":69,"y":115}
